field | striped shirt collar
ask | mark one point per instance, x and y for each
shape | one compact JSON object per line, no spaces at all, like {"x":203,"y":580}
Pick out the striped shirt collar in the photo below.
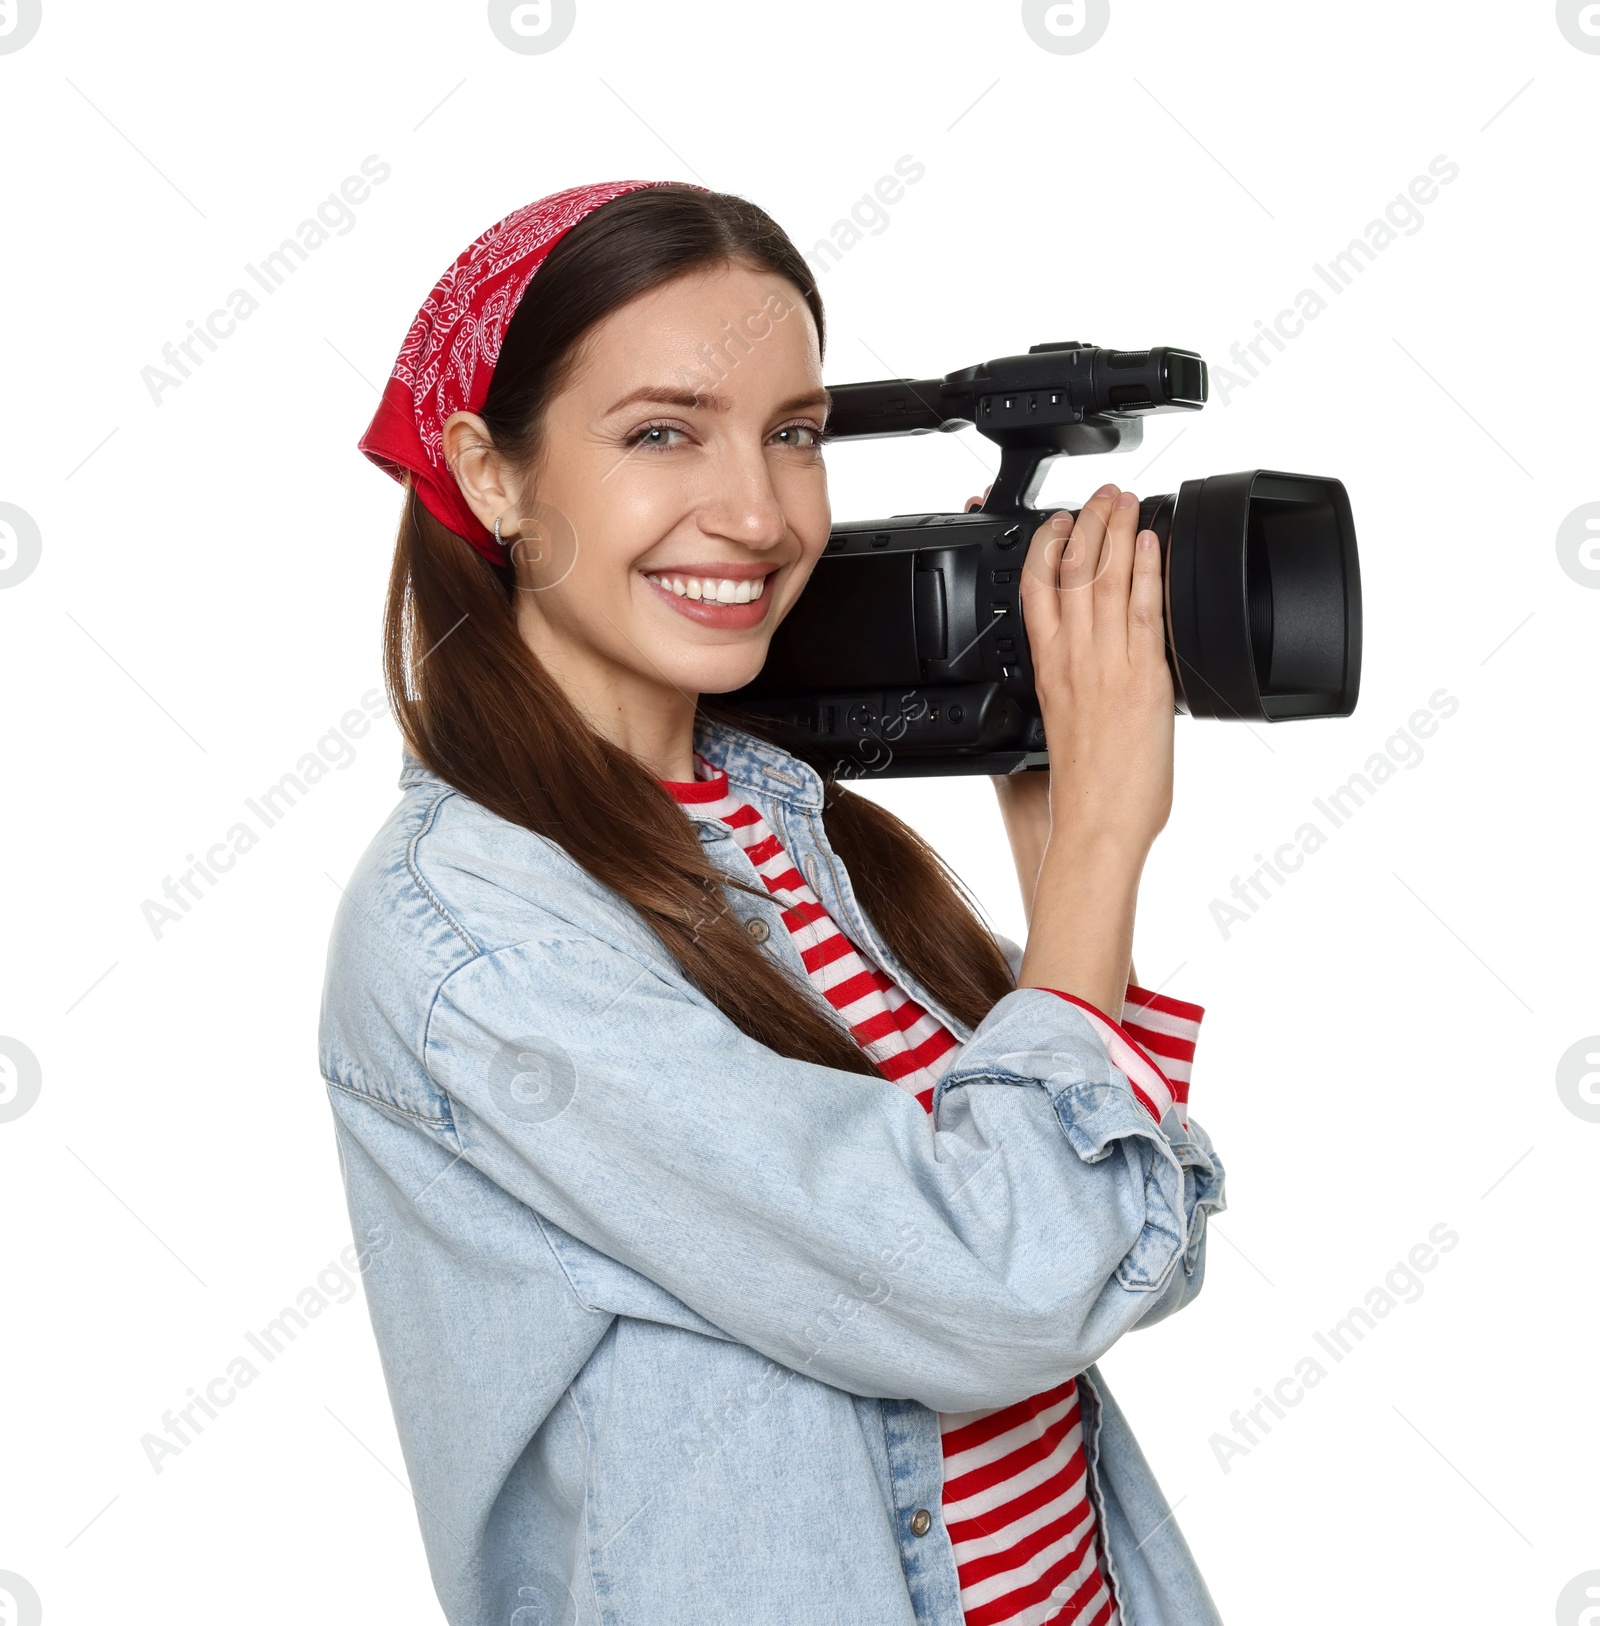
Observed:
{"x":710,"y":784}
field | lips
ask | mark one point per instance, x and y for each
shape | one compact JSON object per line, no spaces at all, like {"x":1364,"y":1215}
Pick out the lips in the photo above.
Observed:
{"x":732,"y":597}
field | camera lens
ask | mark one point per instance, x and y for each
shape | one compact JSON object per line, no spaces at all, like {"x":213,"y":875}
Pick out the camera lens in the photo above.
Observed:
{"x":1263,"y":594}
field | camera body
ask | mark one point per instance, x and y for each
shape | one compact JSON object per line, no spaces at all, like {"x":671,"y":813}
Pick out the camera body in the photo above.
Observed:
{"x":907,"y":654}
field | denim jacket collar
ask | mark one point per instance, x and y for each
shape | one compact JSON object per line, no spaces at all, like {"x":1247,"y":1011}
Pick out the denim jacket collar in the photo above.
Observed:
{"x":793,"y":790}
{"x":766,"y":772}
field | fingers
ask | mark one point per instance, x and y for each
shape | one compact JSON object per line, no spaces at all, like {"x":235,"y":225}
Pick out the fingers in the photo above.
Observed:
{"x":1086,"y":576}
{"x":1112,"y":583}
{"x":1042,"y":603}
{"x":1147,"y":621}
{"x":1082,"y":565}
{"x":978,"y":502}
{"x":1086,"y":559}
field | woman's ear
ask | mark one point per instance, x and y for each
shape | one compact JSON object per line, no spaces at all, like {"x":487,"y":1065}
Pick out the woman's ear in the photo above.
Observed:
{"x":479,"y":469}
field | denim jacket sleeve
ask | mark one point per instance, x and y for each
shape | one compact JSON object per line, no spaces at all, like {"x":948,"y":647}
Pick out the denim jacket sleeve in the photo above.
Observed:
{"x":967,"y":1260}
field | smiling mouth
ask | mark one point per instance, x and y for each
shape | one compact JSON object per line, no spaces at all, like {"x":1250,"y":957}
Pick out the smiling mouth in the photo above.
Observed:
{"x":710,"y":589}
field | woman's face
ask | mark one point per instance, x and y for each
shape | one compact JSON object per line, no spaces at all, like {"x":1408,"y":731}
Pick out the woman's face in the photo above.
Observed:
{"x":680,"y":498}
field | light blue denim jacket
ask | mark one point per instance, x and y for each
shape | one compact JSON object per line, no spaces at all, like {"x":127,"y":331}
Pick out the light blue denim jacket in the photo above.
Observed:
{"x":667,"y":1318}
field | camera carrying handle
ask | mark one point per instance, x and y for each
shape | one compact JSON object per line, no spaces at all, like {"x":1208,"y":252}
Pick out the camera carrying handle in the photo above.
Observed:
{"x":1063,"y":398}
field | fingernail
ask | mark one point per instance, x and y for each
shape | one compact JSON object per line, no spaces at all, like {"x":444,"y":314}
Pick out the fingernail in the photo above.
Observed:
{"x":1125,"y":500}
{"x":1147,"y":539}
{"x":1105,"y":491}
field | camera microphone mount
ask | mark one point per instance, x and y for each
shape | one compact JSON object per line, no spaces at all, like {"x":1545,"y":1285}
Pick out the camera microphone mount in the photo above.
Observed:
{"x":1062,"y":398}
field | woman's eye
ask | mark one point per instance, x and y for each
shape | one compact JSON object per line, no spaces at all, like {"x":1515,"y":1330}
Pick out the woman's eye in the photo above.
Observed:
{"x":797,"y":429}
{"x":653,"y":437}
{"x":658,"y":436}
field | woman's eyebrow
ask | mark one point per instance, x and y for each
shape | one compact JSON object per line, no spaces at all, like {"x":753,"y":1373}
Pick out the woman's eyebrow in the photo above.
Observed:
{"x":689,"y":400}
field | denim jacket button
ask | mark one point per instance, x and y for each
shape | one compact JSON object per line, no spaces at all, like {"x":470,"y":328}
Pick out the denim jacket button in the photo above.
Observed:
{"x":921,"y":1522}
{"x":758,"y":928}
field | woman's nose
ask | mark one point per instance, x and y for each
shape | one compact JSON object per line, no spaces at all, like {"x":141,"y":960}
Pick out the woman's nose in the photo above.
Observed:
{"x":744,"y":506}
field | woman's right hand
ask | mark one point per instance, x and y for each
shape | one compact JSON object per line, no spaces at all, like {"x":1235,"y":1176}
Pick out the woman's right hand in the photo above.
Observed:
{"x":1093,"y":606}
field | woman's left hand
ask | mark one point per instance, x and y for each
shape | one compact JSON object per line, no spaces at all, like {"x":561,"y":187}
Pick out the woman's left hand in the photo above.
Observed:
{"x":1024,"y":805}
{"x":1025,"y":809}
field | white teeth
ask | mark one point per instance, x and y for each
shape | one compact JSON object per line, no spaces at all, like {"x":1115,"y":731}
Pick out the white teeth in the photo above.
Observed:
{"x":712,"y":589}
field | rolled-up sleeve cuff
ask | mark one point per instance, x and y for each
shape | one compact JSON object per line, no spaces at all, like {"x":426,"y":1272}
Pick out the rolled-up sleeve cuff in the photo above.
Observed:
{"x":1083,"y":1062}
{"x":1153,"y":1046}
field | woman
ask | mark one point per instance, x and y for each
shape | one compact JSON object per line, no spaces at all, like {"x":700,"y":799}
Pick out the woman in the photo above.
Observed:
{"x":744,"y":1218}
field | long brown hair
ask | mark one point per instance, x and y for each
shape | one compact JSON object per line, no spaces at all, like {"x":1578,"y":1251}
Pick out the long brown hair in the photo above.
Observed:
{"x":479,"y":709}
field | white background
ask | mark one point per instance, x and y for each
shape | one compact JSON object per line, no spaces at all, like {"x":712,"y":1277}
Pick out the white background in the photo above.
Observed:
{"x":1380,"y":1049}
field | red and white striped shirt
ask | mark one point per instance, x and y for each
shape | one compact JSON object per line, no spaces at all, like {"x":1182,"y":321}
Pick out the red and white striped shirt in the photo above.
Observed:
{"x":1016,"y":1502}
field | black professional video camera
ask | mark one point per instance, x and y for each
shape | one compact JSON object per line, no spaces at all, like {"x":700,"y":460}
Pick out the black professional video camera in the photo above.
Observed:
{"x":906,"y":653}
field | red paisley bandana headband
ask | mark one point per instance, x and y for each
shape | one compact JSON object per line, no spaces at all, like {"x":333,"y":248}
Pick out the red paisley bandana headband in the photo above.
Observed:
{"x":448,"y":358}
